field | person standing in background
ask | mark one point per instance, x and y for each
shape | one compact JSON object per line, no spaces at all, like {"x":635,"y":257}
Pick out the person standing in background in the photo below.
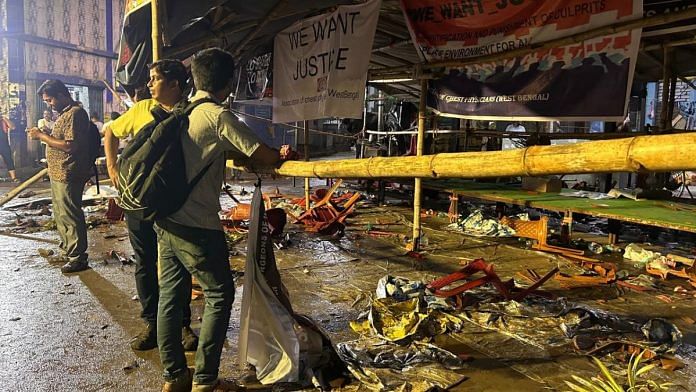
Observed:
{"x":94,"y":118}
{"x":6,"y":126}
{"x":45,"y":124}
{"x":69,"y":168}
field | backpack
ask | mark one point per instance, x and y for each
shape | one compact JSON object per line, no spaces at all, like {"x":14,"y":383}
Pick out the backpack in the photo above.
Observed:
{"x":93,"y":143}
{"x":152,"y":170}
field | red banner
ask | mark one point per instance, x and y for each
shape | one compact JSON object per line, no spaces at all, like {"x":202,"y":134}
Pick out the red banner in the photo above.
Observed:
{"x":590,"y":79}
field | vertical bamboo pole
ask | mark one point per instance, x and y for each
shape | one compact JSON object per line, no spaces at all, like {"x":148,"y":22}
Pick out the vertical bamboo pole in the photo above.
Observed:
{"x":297,"y":143}
{"x":670,"y":106}
{"x":306,"y":158}
{"x":156,"y":42}
{"x":419,"y":152}
{"x":666,"y":75}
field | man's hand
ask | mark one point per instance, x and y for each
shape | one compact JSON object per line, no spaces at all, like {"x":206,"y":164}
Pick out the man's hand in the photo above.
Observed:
{"x":35,"y":133}
{"x":287,"y":154}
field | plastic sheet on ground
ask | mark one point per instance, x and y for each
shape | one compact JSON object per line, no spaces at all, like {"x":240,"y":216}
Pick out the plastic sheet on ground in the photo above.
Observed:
{"x":634,"y":252}
{"x":547,"y":323}
{"x":392,"y":354}
{"x":401,"y":289}
{"x":394,"y":321}
{"x":477,"y":225}
{"x":418,"y":366}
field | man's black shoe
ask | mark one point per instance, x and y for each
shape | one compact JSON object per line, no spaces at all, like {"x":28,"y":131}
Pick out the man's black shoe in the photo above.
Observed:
{"x":74,"y":266}
{"x":189,"y":339}
{"x":146,"y":340}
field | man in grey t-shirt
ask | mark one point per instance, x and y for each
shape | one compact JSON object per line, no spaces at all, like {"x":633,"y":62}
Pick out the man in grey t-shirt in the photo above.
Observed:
{"x":191,"y":240}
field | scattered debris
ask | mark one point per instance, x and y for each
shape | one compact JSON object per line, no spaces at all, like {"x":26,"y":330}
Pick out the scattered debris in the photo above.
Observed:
{"x":26,"y":194}
{"x":538,"y":231}
{"x":131,"y":366}
{"x":114,"y":212}
{"x":507,"y":290}
{"x":477,"y":225}
{"x":327,"y":216}
{"x":635,"y":253}
{"x":45,"y":252}
{"x":118,"y":257}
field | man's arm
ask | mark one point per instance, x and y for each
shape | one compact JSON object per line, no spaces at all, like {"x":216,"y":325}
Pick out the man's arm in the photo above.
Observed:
{"x":265,"y":156}
{"x":63,"y":145}
{"x":120,"y":128}
{"x":10,"y":124}
{"x":111,"y":152}
{"x":243,"y":139}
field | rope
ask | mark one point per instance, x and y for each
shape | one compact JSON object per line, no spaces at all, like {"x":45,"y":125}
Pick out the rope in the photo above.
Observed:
{"x":294,"y":126}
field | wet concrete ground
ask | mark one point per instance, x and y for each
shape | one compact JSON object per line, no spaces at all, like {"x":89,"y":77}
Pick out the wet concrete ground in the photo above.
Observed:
{"x":71,"y":333}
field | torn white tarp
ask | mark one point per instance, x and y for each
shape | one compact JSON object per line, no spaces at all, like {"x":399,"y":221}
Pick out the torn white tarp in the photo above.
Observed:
{"x":267,"y":339}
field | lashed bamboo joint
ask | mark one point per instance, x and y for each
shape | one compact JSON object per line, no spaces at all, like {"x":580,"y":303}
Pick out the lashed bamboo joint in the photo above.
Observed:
{"x":641,"y":153}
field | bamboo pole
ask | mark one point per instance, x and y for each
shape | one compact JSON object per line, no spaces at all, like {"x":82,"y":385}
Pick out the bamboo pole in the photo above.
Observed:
{"x":306,"y":158}
{"x":115,"y":94}
{"x":640,"y":153}
{"x":417,"y":186}
{"x":19,"y":188}
{"x":156,"y":42}
{"x":671,"y":103}
{"x":666,"y":84}
{"x":656,"y":20}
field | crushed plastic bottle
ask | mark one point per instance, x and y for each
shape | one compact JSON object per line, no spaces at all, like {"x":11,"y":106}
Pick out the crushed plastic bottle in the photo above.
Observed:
{"x":595,"y":248}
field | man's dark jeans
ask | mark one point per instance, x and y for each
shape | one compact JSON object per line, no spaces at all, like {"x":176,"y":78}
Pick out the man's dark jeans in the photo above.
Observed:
{"x":203,"y":254}
{"x":143,"y":239}
{"x":70,"y":219}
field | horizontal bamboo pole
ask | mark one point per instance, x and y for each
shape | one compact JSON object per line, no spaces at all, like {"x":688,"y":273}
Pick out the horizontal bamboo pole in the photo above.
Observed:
{"x":19,"y":188}
{"x":641,"y":153}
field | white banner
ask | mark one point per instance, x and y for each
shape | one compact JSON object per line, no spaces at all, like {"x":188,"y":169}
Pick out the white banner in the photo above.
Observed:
{"x":320,"y":64}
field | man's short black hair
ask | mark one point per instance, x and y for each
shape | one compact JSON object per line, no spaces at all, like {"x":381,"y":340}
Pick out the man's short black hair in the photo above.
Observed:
{"x":172,"y":70}
{"x":212,"y":69}
{"x":53,"y":88}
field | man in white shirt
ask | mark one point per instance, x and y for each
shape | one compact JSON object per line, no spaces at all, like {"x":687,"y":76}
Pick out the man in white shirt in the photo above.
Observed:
{"x":191,"y":240}
{"x":508,"y":143}
{"x":45,"y":124}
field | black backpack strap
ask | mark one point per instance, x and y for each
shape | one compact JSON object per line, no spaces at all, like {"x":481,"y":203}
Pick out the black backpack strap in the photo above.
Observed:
{"x":200,"y":175}
{"x":192,"y":105}
{"x":187,"y":110}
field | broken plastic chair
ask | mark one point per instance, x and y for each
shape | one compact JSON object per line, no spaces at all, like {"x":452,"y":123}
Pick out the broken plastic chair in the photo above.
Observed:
{"x":538,"y":230}
{"x":507,"y":289}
